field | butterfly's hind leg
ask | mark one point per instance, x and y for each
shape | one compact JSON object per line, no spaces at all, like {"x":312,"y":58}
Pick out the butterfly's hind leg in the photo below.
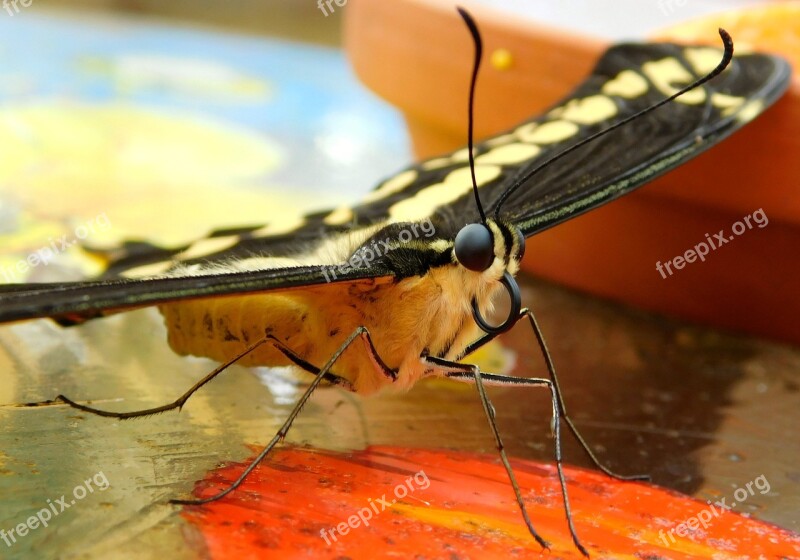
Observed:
{"x":180,"y":401}
{"x":554,"y":378}
{"x":321,"y":374}
{"x":359,"y":333}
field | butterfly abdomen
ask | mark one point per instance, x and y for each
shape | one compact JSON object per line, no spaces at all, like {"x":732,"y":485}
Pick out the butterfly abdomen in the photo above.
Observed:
{"x":312,"y":325}
{"x":220,"y":328}
{"x":419,"y":314}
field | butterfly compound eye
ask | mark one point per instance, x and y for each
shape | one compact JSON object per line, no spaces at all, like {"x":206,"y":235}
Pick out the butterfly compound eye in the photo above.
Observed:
{"x":474,"y":247}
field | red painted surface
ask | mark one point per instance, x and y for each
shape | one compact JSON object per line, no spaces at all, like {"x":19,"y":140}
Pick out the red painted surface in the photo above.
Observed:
{"x":465,"y":509}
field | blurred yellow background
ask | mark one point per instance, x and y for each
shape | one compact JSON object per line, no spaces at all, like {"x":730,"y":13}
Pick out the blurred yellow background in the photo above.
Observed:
{"x":277,"y":18}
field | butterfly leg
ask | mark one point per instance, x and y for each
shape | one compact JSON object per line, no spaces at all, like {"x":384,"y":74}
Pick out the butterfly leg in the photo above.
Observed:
{"x":551,"y":369}
{"x":360,"y":332}
{"x":473,"y":374}
{"x":180,"y":401}
{"x":334,"y":379}
{"x":311,"y":368}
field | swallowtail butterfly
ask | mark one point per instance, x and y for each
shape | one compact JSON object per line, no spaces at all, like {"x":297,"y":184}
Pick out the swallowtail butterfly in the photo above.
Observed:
{"x":358,"y":298}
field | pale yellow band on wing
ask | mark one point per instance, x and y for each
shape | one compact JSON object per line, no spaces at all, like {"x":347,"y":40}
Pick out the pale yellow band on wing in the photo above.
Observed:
{"x":340,"y":216}
{"x":500,"y":140}
{"x":436,"y":163}
{"x":628,"y":84}
{"x":667,"y":73}
{"x":547,"y":133}
{"x":205,"y":247}
{"x":509,"y":154}
{"x":703,"y":59}
{"x":152,"y":269}
{"x":589,"y":110}
{"x":750,"y":111}
{"x":726,"y":103}
{"x":460,"y":155}
{"x":281,"y":225}
{"x":424,"y":203}
{"x":393,"y":185}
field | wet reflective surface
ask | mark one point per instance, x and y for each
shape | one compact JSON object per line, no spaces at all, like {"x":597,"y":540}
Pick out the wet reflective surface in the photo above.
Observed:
{"x":702,"y":412}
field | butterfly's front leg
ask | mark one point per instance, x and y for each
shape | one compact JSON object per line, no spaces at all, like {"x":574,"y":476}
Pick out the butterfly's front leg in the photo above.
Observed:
{"x":473,"y":374}
{"x":551,"y":370}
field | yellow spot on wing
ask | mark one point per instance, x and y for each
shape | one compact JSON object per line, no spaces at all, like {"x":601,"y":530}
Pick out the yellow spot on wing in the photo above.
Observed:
{"x":547,"y":133}
{"x":509,"y":154}
{"x":280,"y":225}
{"x":703,"y":59}
{"x":393,"y":185}
{"x":457,"y":182}
{"x":627,"y":84}
{"x":205,"y":247}
{"x":750,"y":111}
{"x":340,"y":216}
{"x":668,"y":73}
{"x":437,"y":162}
{"x":589,"y":110}
{"x":500,"y":140}
{"x":152,"y":269}
{"x":460,"y":155}
{"x":728,"y":103}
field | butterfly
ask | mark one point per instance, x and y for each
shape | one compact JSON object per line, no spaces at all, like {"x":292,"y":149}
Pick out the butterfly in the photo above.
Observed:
{"x":398,"y":288}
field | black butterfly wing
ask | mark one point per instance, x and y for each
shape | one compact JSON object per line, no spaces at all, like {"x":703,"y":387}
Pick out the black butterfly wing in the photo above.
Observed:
{"x":646,"y":147}
{"x":626,"y":79}
{"x":612,"y":165}
{"x":75,"y":302}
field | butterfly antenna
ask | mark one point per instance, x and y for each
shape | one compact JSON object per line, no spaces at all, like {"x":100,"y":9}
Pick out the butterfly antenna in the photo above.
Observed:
{"x":726,"y":59}
{"x":476,"y":38}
